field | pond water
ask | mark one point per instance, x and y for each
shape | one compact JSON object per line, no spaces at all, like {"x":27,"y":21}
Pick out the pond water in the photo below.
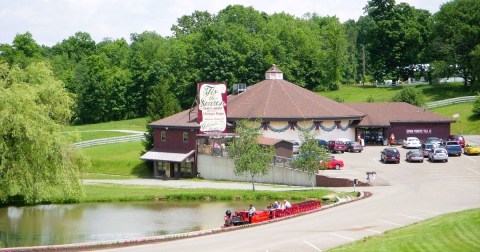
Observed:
{"x":64,"y":224}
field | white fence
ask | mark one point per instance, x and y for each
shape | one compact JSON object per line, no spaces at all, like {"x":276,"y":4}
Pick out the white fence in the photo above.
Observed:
{"x":110,"y":140}
{"x":451,"y":101}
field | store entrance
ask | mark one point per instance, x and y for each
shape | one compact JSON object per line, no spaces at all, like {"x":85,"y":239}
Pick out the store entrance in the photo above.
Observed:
{"x":372,"y":136}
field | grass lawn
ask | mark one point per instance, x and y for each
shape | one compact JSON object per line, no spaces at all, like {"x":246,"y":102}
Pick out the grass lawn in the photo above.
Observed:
{"x":106,"y":193}
{"x":138,"y":124}
{"x":359,"y":93}
{"x":450,"y":232}
{"x":122,"y":159}
{"x":466,"y":123}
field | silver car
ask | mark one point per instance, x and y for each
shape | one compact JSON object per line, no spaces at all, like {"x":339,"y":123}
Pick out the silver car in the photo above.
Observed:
{"x":438,"y":154}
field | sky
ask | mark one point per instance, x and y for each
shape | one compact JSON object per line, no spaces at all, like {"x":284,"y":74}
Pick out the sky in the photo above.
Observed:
{"x":52,"y":21}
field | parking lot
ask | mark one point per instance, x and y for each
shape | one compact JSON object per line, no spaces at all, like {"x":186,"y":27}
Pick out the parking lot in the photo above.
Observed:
{"x":358,"y":164}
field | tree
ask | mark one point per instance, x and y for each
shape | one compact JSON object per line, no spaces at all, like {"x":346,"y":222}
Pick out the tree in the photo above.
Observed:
{"x":248,"y":156}
{"x":409,"y":95}
{"x":456,"y":33}
{"x":397,"y":39}
{"x":310,"y":155}
{"x":36,"y":161}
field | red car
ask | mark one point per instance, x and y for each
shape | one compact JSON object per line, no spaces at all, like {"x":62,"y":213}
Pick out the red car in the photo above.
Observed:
{"x":331,"y":163}
{"x":336,"y":146}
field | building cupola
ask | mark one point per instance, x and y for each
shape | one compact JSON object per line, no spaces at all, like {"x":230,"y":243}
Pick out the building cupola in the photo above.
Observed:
{"x":274,"y":73}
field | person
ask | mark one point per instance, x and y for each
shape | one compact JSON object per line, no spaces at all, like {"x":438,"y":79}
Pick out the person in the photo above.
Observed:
{"x":251,"y":212}
{"x":276,"y":205}
{"x":287,"y":204}
{"x":228,"y":218}
{"x":359,"y":140}
{"x":216,"y":149}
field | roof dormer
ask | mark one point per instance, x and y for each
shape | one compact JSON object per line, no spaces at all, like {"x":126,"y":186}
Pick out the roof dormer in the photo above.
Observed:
{"x":274,"y":73}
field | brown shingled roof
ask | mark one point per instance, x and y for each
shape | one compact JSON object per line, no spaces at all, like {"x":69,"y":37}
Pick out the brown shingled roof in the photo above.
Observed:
{"x":380,"y":114}
{"x":279,"y":99}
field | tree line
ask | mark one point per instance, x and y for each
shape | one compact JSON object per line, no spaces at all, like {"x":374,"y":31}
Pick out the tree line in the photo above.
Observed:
{"x":156,"y":76}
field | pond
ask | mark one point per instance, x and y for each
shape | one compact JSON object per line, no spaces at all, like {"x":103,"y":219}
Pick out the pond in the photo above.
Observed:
{"x":75,"y":223}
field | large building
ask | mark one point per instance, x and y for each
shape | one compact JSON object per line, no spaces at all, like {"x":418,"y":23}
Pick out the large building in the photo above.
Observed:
{"x":284,"y":109}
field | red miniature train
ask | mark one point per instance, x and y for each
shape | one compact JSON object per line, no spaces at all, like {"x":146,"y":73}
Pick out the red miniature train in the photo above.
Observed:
{"x":242,"y":217}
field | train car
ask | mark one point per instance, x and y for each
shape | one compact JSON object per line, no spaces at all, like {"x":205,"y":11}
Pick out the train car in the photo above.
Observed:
{"x":242,"y":217}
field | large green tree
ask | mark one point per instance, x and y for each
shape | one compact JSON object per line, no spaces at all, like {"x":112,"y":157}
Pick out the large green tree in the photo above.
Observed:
{"x":249,"y":157}
{"x":456,"y":34}
{"x":397,"y":40}
{"x":36,"y":161}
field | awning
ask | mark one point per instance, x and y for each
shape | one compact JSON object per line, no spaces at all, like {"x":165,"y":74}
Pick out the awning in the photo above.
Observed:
{"x":166,"y":156}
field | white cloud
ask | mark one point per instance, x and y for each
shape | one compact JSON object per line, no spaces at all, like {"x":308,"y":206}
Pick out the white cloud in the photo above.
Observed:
{"x":51,"y":21}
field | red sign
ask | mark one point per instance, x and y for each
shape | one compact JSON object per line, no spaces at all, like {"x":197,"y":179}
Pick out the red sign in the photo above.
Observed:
{"x":212,"y":107}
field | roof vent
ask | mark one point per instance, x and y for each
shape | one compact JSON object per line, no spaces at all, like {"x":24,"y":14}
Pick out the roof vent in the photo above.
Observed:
{"x":274,"y":73}
{"x":239,"y":88}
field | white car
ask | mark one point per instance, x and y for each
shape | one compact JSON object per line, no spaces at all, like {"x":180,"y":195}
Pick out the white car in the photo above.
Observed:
{"x":411,"y":142}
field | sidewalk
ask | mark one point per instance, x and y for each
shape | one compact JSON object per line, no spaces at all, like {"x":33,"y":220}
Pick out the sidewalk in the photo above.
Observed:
{"x":189,"y":184}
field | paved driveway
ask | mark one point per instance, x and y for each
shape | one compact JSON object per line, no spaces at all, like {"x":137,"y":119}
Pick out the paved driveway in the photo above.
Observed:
{"x":403,"y":194}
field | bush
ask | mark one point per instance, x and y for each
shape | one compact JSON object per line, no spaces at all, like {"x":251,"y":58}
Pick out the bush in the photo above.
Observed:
{"x":476,"y":107}
{"x":409,"y":95}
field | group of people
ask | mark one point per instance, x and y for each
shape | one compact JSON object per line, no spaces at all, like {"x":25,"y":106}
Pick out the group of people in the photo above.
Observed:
{"x":282,"y":206}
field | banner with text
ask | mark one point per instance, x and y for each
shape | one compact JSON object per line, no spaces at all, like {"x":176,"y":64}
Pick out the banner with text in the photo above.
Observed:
{"x":212,"y":107}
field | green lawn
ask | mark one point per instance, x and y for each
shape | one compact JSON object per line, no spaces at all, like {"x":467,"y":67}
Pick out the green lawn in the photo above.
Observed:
{"x":138,"y":124}
{"x":90,"y":135}
{"x":122,"y":159}
{"x":450,"y":232}
{"x":106,"y":193}
{"x":466,"y":123}
{"x":359,"y":93}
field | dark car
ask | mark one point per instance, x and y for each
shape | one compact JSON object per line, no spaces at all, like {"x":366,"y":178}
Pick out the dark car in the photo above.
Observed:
{"x":453,"y":148}
{"x":353,"y":146}
{"x":426,"y":148}
{"x":336,"y":146}
{"x":414,"y":156}
{"x":390,"y":155}
{"x":458,"y":138}
{"x":322,"y":143}
{"x":434,"y":140}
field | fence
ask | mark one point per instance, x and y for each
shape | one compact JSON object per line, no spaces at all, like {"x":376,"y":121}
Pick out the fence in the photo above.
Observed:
{"x":451,"y":101}
{"x":110,"y":140}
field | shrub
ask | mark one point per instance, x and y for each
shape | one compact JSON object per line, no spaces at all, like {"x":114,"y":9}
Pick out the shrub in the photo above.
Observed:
{"x":476,"y":107}
{"x":409,"y":95}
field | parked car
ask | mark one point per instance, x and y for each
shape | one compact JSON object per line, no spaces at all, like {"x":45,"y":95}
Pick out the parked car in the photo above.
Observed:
{"x":472,"y":149}
{"x":414,"y":156}
{"x":411,"y":142}
{"x":434,"y":140}
{"x":438,"y":154}
{"x":390,"y":155}
{"x":353,"y":146}
{"x":460,"y":139}
{"x":453,"y":148}
{"x":331,"y":163}
{"x":322,"y":143}
{"x":427,"y":148}
{"x":337,"y":146}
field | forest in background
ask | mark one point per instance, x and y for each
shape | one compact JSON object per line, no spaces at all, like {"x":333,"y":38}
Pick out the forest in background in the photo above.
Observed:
{"x":156,"y":76}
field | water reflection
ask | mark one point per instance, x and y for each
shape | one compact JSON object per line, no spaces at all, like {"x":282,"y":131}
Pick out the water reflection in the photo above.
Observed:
{"x":62,"y":224}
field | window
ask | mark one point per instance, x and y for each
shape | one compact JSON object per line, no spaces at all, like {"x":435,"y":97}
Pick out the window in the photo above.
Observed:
{"x":163,"y":136}
{"x":185,"y":137}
